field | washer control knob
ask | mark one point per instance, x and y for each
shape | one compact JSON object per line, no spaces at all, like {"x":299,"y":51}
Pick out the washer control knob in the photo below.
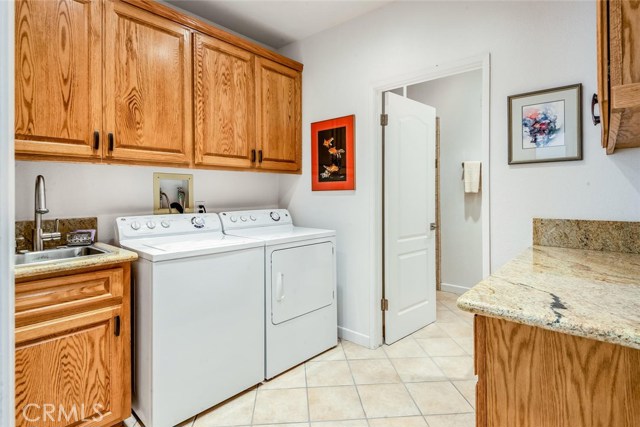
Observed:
{"x":151,"y":225}
{"x":243,"y":218}
{"x":165,"y":224}
{"x":234,"y":219}
{"x":135,"y":225}
{"x":275,"y":216}
{"x":253,"y":218}
{"x":198,"y":222}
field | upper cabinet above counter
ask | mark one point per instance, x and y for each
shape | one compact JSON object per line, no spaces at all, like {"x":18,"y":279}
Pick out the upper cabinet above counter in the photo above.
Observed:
{"x":618,"y":31}
{"x":136,"y":82}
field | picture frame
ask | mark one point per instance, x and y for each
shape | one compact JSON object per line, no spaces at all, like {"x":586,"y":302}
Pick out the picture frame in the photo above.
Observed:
{"x":333,"y":154}
{"x":545,"y":125}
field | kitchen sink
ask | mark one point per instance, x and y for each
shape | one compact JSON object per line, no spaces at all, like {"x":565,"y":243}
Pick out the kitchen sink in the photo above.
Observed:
{"x":58,"y":254}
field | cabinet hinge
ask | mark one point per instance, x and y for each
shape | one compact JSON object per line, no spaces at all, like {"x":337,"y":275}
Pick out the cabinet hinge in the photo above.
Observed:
{"x":384,"y":119}
{"x":384,"y":304}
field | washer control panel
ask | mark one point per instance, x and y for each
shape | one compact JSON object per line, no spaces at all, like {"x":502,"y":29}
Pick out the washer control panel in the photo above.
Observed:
{"x":259,"y":218}
{"x":159,"y":225}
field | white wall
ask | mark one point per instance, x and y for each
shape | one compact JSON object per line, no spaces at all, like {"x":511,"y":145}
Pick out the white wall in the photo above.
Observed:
{"x":458,"y":102}
{"x":343,"y":64}
{"x":7,"y":292}
{"x":109,"y":191}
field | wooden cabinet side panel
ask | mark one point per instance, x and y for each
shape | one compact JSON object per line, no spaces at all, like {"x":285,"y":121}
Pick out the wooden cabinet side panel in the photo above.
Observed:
{"x":58,"y":91}
{"x":224,"y":99}
{"x":148,"y":104}
{"x":479,"y":358}
{"x":539,"y":378}
{"x":602,"y":32}
{"x":279,"y":116}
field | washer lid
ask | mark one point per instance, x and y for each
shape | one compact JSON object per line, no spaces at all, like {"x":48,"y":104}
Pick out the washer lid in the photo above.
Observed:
{"x":166,"y":248}
{"x":283,"y":234}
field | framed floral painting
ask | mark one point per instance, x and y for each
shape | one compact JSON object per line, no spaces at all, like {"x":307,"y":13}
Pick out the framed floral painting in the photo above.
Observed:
{"x":546,"y":126}
{"x":333,"y":155}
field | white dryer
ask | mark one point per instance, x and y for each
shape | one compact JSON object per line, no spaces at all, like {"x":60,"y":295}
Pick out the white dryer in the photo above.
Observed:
{"x":300,"y":285}
{"x":198,"y":314}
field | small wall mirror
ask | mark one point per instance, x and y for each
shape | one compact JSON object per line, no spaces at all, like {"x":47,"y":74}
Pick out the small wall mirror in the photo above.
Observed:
{"x":172,"y":193}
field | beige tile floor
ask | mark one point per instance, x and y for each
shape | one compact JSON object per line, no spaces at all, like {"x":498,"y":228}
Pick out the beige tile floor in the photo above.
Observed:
{"x":423,"y":380}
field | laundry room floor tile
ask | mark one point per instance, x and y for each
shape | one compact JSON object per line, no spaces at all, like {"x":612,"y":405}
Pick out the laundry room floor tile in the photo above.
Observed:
{"x":418,"y":369}
{"x":238,"y":411}
{"x":406,"y":347}
{"x":398,"y":422}
{"x":281,"y":406}
{"x":334,"y":404}
{"x":423,"y":380}
{"x":293,"y":378}
{"x":387,"y":400}
{"x":441,"y":347}
{"x":331,"y":373}
{"x":373,"y":371}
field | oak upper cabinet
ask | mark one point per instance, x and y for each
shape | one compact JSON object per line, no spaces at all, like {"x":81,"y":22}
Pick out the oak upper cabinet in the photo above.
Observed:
{"x":278,"y":112}
{"x":72,"y":350}
{"x":619,"y":73}
{"x":224,"y":99}
{"x":58,"y":80}
{"x":147,"y":86}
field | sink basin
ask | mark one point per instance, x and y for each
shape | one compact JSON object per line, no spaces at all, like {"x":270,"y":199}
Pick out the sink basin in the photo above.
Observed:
{"x":58,"y":254}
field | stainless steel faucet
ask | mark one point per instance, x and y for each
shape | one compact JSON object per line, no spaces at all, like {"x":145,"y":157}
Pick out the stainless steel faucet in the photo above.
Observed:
{"x":41,"y":208}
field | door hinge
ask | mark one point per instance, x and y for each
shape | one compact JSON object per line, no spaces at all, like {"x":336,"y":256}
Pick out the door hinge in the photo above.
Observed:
{"x":384,"y":119}
{"x":433,"y":226}
{"x":384,"y":304}
{"x":116,"y":327}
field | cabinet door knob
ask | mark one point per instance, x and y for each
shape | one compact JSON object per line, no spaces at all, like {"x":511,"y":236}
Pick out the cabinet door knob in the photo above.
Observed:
{"x":260,"y":156}
{"x":594,"y":102}
{"x":110,"y":141}
{"x":253,"y":156}
{"x":96,"y":140}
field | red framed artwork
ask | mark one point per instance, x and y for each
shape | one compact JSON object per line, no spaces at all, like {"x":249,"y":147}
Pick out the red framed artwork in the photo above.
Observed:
{"x":332,"y":154}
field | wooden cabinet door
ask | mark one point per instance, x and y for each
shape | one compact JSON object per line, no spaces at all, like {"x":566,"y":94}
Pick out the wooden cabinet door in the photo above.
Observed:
{"x":58,"y":92}
{"x":278,"y":112}
{"x":624,"y":74}
{"x":70,"y":371}
{"x":224,"y":100}
{"x":147,"y":87}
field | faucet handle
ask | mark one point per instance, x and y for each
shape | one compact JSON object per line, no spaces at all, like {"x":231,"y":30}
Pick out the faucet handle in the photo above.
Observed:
{"x":57,"y":226}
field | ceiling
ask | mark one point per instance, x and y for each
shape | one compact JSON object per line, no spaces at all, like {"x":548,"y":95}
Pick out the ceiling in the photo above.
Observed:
{"x":276,"y":23}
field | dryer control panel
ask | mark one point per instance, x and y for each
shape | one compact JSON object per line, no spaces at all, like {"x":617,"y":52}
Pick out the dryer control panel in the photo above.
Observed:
{"x":131,"y":227}
{"x":238,"y":220}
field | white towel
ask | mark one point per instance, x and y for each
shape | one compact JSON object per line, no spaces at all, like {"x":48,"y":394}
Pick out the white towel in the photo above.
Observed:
{"x":471,"y":176}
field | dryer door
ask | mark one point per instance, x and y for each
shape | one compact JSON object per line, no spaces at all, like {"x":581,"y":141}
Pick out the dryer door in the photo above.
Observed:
{"x":302,"y":280}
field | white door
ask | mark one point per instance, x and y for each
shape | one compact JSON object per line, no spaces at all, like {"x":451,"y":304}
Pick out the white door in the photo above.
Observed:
{"x":409,"y":209}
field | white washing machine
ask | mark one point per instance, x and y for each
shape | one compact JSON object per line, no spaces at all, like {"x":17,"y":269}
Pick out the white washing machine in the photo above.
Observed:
{"x":300,"y":285}
{"x":198,"y":314}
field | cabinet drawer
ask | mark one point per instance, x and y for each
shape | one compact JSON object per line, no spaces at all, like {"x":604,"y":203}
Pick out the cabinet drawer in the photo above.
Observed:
{"x":41,"y":300}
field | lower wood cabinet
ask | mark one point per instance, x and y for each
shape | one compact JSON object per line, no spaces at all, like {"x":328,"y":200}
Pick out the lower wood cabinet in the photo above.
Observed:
{"x":532,"y":377}
{"x":72,"y":358}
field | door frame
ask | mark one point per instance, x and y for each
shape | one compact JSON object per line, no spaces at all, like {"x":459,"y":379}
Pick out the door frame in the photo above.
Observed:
{"x":7,"y":212}
{"x":479,"y":62}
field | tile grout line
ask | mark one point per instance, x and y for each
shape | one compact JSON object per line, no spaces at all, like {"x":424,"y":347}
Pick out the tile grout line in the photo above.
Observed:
{"x":306,"y":391}
{"x":356,"y":387}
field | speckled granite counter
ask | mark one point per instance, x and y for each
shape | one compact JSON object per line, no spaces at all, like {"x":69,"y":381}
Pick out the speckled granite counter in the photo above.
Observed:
{"x":592,"y":294}
{"x":115,"y":256}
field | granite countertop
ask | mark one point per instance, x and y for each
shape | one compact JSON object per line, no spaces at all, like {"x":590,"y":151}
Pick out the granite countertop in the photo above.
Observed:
{"x":116,"y":255}
{"x":592,"y":294}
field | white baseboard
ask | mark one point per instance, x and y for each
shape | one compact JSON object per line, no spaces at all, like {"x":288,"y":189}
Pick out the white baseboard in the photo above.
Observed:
{"x":353,"y":336}
{"x":456,"y":289}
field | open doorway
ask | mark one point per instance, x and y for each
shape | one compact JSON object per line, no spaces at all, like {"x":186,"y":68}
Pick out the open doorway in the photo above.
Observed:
{"x":460,"y":97}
